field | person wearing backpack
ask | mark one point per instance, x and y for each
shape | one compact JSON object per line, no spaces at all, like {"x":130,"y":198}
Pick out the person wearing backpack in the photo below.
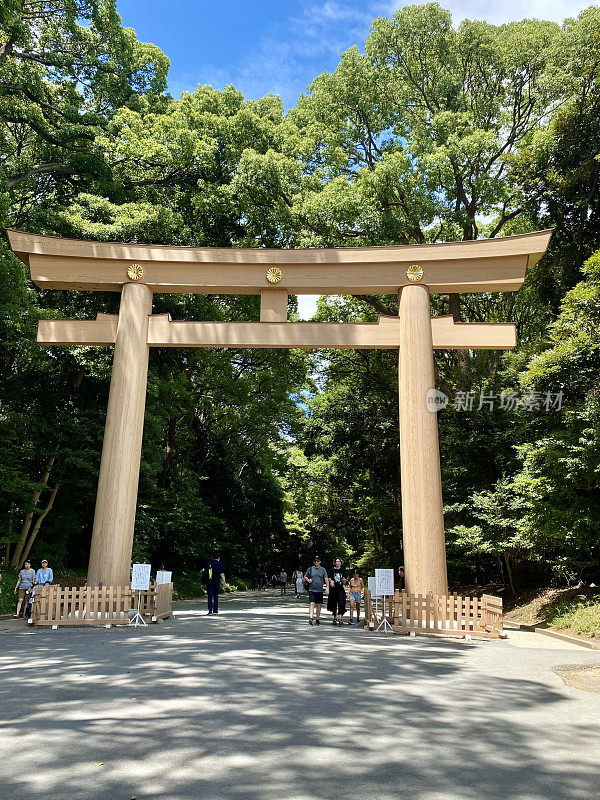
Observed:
{"x":213,"y":576}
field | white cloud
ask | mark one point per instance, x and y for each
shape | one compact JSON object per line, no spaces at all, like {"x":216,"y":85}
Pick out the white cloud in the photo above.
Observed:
{"x":336,"y":12}
{"x":507,"y":11}
{"x":292,"y":53}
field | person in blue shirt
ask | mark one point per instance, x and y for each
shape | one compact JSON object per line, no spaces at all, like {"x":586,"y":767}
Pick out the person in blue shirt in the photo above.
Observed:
{"x":44,"y":575}
{"x":214,"y":575}
{"x":24,"y":585}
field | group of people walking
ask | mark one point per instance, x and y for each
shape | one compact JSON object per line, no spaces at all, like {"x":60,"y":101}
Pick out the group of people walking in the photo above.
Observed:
{"x":334,"y":583}
{"x":340,"y":586}
{"x":260,"y":581}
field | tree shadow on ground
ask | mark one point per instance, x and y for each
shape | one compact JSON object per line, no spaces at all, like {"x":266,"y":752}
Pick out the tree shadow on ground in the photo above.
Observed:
{"x":254,"y":704}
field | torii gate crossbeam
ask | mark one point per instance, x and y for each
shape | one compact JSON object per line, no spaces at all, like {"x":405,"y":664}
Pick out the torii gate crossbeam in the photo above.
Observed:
{"x":137,"y":271}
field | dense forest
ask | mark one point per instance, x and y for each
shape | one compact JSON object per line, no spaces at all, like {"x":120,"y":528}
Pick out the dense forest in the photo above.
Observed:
{"x":426,"y":132}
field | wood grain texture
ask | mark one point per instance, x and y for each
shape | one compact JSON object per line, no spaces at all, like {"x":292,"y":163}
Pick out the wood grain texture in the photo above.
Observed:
{"x":449,"y":615}
{"x":385,"y":334}
{"x":478,"y":266}
{"x":273,"y":305}
{"x":449,"y":335}
{"x":523,"y":244}
{"x":99,"y":605}
{"x":422,"y":509}
{"x":99,"y":331}
{"x":112,"y":536}
{"x":470,"y":275}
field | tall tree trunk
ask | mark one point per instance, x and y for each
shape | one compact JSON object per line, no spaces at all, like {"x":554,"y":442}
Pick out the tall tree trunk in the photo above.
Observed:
{"x":163,"y":478}
{"x":500,"y":569}
{"x":454,"y":307}
{"x":39,"y":520}
{"x":510,"y":573}
{"x":456,"y":311}
{"x":18,"y":554}
{"x":11,"y":524}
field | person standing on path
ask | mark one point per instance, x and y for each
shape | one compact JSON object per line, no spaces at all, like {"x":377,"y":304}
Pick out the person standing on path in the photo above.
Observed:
{"x":214,"y":575}
{"x":337,"y":593}
{"x":25,"y":581}
{"x":283,"y":581}
{"x":316,"y":578}
{"x":298,"y":580}
{"x":401,"y":579}
{"x":356,"y":586}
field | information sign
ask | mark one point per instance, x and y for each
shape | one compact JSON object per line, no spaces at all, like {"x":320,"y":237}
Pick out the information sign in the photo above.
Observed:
{"x":140,"y":577}
{"x":384,"y":582}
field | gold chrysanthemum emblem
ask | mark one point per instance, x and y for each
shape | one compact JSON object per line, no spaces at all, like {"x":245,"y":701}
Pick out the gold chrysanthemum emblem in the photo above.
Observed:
{"x":135,"y":272}
{"x":414,"y":273}
{"x":274,"y":275}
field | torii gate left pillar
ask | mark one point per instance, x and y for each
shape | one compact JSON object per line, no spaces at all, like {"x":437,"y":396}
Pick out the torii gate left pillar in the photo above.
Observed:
{"x":114,"y":520}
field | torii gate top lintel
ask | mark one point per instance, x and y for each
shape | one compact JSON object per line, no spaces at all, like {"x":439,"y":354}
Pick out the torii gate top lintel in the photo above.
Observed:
{"x":482,"y":265}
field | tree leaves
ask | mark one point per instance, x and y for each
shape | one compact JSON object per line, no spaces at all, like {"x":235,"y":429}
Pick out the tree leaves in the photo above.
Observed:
{"x":433,"y":133}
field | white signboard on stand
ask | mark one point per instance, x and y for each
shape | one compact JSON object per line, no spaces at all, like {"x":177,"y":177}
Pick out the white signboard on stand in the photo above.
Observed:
{"x":384,"y":582}
{"x":373,"y":587}
{"x":162,"y":576}
{"x":140,"y":577}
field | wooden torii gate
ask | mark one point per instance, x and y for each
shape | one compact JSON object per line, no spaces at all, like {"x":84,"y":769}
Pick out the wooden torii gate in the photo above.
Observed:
{"x":137,"y":271}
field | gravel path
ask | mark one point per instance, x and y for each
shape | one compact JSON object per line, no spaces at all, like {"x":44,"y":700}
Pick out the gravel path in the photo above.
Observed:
{"x":256,"y":705}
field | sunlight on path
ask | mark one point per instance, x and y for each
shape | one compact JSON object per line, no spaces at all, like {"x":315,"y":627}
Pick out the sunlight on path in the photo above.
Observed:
{"x":537,"y":640}
{"x":255,"y":704}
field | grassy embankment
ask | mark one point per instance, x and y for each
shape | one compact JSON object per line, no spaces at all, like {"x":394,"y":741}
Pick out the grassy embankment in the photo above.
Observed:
{"x":185,"y":586}
{"x":575,"y":611}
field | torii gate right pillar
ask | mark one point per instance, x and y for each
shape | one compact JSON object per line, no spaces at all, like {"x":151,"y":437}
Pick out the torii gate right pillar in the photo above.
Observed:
{"x":422,"y":509}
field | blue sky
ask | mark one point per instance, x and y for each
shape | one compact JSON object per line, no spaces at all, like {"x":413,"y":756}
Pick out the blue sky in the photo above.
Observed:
{"x":266,"y":46}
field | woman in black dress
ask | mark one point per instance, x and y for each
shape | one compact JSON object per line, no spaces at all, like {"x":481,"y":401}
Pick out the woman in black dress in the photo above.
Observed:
{"x":336,"y":602}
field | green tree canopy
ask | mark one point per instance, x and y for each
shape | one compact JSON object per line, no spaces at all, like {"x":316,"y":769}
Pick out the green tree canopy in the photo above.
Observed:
{"x":432,"y":132}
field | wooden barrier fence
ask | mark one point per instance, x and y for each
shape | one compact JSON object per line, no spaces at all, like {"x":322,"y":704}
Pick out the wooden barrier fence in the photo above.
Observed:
{"x":163,"y":601}
{"x":441,"y":614}
{"x":99,"y":605}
